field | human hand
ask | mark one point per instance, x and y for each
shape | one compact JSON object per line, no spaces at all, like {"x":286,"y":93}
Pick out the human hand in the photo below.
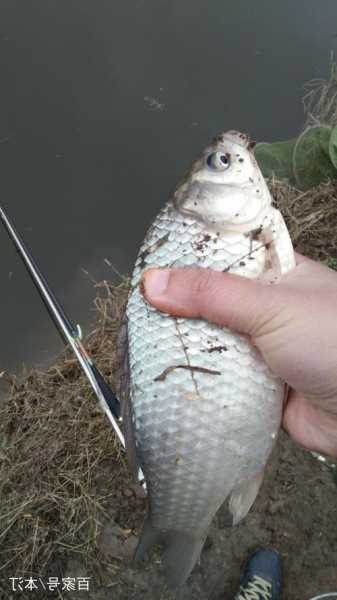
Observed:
{"x":293,"y":324}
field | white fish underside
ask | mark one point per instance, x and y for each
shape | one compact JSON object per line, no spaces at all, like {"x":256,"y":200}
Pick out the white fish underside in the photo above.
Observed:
{"x":199,"y":435}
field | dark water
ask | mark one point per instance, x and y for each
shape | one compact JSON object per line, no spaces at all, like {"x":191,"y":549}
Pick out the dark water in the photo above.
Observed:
{"x":104,"y":104}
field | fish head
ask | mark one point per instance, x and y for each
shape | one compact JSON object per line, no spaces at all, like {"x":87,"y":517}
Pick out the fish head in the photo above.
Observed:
{"x":225,"y":187}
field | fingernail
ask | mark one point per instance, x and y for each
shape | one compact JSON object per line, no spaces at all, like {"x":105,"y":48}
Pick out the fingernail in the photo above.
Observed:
{"x":155,"y":282}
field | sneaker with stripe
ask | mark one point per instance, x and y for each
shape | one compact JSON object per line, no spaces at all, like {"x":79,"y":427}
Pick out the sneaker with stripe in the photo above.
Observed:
{"x":261,"y":578}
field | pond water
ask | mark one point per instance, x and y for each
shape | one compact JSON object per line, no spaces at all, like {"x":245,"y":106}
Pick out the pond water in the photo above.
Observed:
{"x":104,"y":104}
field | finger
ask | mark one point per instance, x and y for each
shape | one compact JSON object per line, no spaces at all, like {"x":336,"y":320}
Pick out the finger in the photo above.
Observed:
{"x":310,"y":426}
{"x":237,"y":302}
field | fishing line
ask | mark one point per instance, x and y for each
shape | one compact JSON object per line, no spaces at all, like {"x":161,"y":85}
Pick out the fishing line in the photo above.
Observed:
{"x":328,"y":595}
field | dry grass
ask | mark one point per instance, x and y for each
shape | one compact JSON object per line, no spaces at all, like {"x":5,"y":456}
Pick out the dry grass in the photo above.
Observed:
{"x":59,"y":458}
{"x":60,"y":464}
{"x":311,"y":218}
{"x":320,"y":100}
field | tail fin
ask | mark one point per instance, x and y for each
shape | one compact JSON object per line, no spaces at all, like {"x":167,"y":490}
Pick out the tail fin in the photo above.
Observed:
{"x":181,"y":552}
{"x":149,"y":537}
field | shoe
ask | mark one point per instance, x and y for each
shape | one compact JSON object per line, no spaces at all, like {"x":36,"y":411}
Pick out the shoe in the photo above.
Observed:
{"x":261,"y":578}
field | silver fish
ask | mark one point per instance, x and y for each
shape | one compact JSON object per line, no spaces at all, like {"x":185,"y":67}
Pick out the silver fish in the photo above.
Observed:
{"x":201,"y":408}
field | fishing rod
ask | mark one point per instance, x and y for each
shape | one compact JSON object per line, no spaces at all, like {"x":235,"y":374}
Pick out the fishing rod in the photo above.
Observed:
{"x":70,"y":333}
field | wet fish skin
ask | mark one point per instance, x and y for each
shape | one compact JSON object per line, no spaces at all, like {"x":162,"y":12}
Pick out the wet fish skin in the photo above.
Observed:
{"x":202,"y":407}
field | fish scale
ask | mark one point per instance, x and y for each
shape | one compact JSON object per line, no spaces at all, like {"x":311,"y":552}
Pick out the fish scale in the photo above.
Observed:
{"x":164,"y":339}
{"x":200,"y":435}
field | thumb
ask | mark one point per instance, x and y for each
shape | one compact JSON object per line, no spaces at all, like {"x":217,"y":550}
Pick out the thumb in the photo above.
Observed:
{"x":239,"y":303}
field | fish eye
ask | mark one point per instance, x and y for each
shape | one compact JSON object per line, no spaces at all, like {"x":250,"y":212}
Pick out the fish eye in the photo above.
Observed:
{"x":219,"y":161}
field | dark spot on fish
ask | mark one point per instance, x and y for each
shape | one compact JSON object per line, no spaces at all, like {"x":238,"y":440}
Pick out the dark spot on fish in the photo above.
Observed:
{"x":200,"y":244}
{"x":254,"y":233}
{"x":267,"y":245}
{"x":251,"y":257}
{"x":142,"y":287}
{"x":143,"y":255}
{"x":155,"y":395}
{"x":218,"y":138}
{"x":242,"y":263}
{"x":191,"y":368}
{"x":195,"y":203}
{"x":218,"y":233}
{"x":251,"y":179}
{"x":227,"y":269}
{"x":184,"y":224}
{"x":257,"y":191}
{"x":225,"y":406}
{"x":237,"y":214}
{"x":251,"y":145}
{"x":219,"y":349}
{"x":241,"y":160}
{"x":274,"y":204}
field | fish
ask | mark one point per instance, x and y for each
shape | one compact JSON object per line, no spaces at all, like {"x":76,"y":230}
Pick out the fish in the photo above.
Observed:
{"x":201,"y":409}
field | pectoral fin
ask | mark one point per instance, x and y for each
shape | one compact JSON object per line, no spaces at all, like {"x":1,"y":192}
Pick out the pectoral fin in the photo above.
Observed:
{"x":181,"y":553}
